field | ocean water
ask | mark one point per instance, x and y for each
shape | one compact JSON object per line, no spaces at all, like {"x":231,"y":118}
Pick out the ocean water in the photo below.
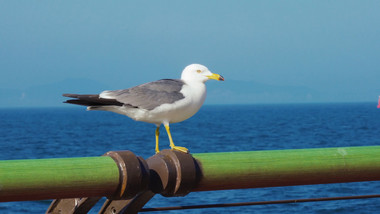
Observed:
{"x":28,"y":133}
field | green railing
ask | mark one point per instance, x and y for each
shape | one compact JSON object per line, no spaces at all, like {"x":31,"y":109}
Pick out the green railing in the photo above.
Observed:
{"x":129,"y":181}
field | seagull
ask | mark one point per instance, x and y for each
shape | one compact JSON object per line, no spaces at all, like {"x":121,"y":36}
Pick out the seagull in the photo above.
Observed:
{"x":163,"y":101}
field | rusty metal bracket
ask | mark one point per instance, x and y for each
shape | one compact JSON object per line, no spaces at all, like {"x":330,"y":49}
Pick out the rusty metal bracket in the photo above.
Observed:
{"x":133,"y":174}
{"x":72,"y":205}
{"x":172,"y":173}
{"x":169,"y":173}
{"x":129,"y":206}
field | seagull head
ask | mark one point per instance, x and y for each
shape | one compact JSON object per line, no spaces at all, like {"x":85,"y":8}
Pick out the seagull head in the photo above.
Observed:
{"x":199,"y":73}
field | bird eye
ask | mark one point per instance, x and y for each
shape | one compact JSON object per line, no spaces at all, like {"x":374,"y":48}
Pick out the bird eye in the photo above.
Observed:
{"x":199,"y":71}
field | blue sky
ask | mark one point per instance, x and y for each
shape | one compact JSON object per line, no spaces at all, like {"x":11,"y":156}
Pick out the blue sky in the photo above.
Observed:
{"x":268,"y":51}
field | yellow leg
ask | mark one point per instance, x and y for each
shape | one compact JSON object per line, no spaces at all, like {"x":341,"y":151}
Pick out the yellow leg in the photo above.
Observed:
{"x":174,"y":147}
{"x":157,"y":135}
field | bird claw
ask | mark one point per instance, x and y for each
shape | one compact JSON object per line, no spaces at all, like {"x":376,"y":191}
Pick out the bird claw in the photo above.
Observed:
{"x":180,"y":149}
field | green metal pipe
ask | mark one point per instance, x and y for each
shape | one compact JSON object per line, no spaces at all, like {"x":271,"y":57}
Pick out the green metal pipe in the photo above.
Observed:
{"x":100,"y":176}
{"x":238,"y":170}
{"x":39,"y":179}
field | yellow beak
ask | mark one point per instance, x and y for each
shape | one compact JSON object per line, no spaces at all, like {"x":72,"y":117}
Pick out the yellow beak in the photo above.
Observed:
{"x":216,"y":77}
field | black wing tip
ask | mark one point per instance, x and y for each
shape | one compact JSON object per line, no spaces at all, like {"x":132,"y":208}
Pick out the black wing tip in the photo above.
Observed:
{"x":70,"y":95}
{"x":82,"y":96}
{"x":90,"y":100}
{"x":78,"y":102}
{"x":78,"y":99}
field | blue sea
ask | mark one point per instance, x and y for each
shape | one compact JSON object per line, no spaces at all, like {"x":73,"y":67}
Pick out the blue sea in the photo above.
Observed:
{"x":28,"y":133}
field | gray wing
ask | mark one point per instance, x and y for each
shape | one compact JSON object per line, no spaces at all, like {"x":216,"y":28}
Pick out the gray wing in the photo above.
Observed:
{"x":149,"y":95}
